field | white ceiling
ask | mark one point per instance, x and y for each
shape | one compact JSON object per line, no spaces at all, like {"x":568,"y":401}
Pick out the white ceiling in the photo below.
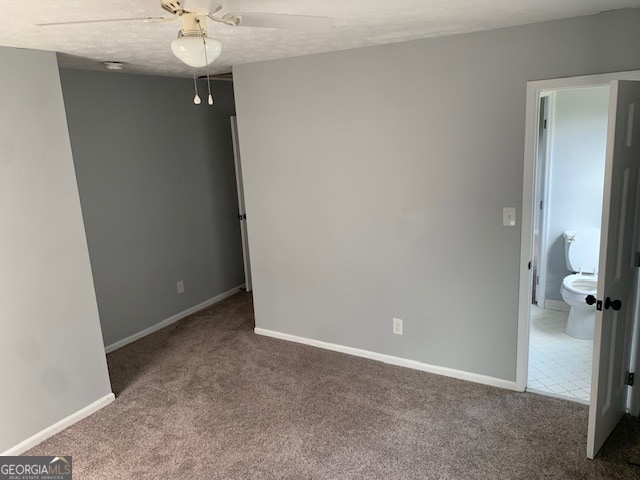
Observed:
{"x":145,"y":47}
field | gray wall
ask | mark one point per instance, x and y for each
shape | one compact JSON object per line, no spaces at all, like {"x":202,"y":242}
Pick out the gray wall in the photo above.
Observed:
{"x":52,"y":361}
{"x":579,"y":142}
{"x":375,"y":181}
{"x":157,"y":187}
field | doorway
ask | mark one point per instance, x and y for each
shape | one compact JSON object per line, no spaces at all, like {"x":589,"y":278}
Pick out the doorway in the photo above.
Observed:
{"x":609,"y":396}
{"x":569,"y":181}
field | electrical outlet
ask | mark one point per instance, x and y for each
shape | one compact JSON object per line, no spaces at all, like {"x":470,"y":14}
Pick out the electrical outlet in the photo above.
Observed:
{"x":397,"y":326}
{"x":180,"y":286}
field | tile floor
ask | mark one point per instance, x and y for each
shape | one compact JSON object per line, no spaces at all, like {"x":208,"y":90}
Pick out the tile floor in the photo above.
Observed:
{"x":559,"y":365}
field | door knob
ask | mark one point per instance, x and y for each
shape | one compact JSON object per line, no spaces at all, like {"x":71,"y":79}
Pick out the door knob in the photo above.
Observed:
{"x":615,"y":304}
{"x":590,"y":299}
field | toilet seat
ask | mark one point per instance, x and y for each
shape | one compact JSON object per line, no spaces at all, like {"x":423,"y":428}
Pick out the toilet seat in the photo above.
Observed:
{"x":580,"y":284}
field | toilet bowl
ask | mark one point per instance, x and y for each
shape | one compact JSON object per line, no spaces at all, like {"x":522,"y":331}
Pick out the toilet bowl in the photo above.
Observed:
{"x":582,"y":317}
{"x":582,"y":249}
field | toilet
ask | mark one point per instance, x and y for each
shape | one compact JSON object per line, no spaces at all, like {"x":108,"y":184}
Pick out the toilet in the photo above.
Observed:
{"x":582,"y":249}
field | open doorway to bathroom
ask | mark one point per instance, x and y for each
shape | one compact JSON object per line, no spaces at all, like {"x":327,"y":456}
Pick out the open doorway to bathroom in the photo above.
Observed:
{"x":571,"y":146}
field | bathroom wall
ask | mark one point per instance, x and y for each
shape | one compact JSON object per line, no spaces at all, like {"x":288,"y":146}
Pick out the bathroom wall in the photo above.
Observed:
{"x":577,"y":156}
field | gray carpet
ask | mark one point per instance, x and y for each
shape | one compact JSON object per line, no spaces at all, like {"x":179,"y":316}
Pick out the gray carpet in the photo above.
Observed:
{"x":206,"y":398}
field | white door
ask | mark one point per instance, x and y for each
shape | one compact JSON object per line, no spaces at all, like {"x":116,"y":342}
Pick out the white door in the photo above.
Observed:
{"x":618,"y":265}
{"x":242,"y":214}
{"x":541,"y":203}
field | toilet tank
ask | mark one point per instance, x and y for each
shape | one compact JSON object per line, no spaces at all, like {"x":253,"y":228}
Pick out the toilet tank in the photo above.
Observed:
{"x":582,"y":249}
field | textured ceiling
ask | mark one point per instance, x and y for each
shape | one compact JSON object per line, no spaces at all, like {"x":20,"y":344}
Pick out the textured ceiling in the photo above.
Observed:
{"x":145,"y":47}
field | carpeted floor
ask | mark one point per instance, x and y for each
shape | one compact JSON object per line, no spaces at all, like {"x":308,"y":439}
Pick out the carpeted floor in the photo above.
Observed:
{"x":206,"y":398}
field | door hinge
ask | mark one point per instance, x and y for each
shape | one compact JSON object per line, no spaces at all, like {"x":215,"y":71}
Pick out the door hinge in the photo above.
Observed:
{"x":545,"y":124}
{"x":629,"y":379}
{"x":529,"y":266}
{"x":541,"y":204}
{"x":537,"y":279}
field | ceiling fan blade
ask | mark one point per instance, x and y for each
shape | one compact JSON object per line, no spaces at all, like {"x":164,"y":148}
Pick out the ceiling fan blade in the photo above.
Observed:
{"x":80,"y":22}
{"x":304,"y":23}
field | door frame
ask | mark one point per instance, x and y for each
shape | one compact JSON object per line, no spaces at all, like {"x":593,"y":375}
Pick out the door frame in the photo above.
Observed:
{"x":534,"y":89}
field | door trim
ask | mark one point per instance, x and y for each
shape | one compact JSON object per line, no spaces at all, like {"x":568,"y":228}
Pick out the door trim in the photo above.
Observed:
{"x":534,"y":89}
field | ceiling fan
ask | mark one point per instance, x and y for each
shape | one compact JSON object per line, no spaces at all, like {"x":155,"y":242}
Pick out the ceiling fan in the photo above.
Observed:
{"x":193,"y":46}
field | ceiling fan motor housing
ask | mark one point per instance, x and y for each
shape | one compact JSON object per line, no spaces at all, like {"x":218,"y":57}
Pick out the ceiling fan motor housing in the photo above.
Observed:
{"x":192,"y":25}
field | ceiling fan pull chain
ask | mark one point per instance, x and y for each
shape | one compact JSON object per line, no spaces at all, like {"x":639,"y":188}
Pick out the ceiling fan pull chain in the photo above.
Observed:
{"x":196,"y":99}
{"x":210,"y":100}
{"x":206,"y":60}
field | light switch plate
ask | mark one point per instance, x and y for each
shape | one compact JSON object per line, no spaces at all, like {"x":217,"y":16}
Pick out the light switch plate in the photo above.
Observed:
{"x":397,"y":326}
{"x":509,"y":216}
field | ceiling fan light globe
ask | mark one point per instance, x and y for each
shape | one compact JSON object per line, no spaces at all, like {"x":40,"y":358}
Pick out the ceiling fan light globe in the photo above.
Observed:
{"x":190,"y":50}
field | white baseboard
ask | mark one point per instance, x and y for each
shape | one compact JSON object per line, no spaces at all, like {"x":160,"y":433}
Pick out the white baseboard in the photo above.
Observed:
{"x":170,"y":320}
{"x":556,"y":305}
{"x":402,"y":362}
{"x":59,"y":426}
